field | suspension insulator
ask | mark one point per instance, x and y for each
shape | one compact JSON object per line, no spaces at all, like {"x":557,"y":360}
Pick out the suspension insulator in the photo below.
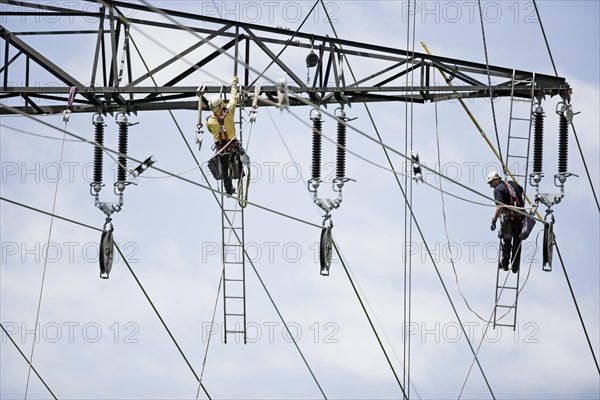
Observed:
{"x":341,"y":150}
{"x":538,"y":140}
{"x":563,"y":143}
{"x":316,"y":146}
{"x":98,"y":153}
{"x":123,"y":138}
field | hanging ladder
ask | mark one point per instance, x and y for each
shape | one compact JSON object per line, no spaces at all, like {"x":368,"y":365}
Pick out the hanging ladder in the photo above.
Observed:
{"x":234,"y":259}
{"x":517,"y":152}
{"x":234,"y":268}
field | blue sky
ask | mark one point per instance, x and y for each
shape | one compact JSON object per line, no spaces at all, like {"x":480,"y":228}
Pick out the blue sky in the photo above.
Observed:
{"x":101,"y":339}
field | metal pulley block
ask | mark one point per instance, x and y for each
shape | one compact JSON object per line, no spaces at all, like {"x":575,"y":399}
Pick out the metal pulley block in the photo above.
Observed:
{"x":326,"y":246}
{"x":548,"y":246}
{"x":106,"y":250}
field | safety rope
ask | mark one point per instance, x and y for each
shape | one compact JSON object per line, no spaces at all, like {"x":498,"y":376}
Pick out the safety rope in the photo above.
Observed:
{"x":243,"y":198}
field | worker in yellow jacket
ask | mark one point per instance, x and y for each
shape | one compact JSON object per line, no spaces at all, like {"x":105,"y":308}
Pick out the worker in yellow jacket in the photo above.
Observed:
{"x":221,"y":125}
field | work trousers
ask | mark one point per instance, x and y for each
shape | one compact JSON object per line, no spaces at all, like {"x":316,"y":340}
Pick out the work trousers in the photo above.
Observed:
{"x":510,"y":244}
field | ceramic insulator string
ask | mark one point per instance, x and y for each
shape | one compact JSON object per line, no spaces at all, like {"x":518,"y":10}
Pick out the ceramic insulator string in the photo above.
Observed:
{"x":341,"y":150}
{"x":563,"y":144}
{"x":538,"y":141}
{"x":122,"y":167}
{"x":98,"y":152}
{"x":316,"y":148}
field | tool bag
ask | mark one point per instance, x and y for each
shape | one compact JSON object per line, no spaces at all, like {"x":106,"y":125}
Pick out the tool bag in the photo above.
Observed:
{"x":215,"y":167}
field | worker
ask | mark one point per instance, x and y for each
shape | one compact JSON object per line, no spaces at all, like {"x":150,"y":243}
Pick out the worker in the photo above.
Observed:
{"x":221,"y":125}
{"x":511,"y":222}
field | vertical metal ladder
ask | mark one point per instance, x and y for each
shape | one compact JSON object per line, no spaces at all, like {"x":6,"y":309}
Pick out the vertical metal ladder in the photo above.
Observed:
{"x":517,"y":151}
{"x":234,"y":259}
{"x":234,"y":268}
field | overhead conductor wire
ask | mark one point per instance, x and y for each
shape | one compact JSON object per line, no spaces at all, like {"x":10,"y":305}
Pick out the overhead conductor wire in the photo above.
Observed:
{"x":75,"y":222}
{"x":402,"y":387}
{"x":28,"y":362}
{"x":244,"y":250}
{"x":587,"y":171}
{"x":309,"y":103}
{"x":408,"y":184}
{"x":385,"y":148}
{"x":487,"y":67}
{"x":39,"y":305}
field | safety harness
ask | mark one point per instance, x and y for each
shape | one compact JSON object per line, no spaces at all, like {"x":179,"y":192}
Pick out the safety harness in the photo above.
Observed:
{"x":514,"y":201}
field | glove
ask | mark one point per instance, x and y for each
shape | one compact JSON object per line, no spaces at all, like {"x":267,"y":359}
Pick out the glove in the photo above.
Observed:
{"x":493,"y":226}
{"x":235,"y":80}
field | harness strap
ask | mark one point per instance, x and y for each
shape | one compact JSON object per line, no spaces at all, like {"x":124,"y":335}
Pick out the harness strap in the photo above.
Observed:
{"x":514,"y":200}
{"x":199,"y":131}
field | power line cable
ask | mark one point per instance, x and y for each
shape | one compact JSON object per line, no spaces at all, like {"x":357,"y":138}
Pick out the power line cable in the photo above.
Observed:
{"x":587,"y":336}
{"x":428,"y":250}
{"x":162,"y":321}
{"x":53,"y":215}
{"x":366,"y":300}
{"x":491,"y":90}
{"x":591,"y":186}
{"x":369,"y":319}
{"x":39,"y":305}
{"x":292,"y":95}
{"x":152,"y":304}
{"x":200,"y":185}
{"x":28,"y":362}
{"x":587,"y":171}
{"x":199,"y":167}
{"x":494,"y":310}
{"x":537,"y":12}
{"x":249,"y":259}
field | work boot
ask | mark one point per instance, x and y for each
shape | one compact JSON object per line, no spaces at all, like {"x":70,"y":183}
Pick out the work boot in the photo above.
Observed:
{"x":228,"y":186}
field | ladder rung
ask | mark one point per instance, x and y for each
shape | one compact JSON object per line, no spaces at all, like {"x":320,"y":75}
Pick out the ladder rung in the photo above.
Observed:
{"x":234,"y":262}
{"x":234,"y":297}
{"x":233,"y":280}
{"x":244,"y":332}
{"x":238,"y":245}
{"x":506,"y":287}
{"x":238,"y":211}
{"x":235,"y":315}
{"x":510,"y":326}
{"x":519,"y":137}
{"x":516,"y":156}
{"x":520,"y":119}
{"x":499,"y":305}
{"x":232,"y":227}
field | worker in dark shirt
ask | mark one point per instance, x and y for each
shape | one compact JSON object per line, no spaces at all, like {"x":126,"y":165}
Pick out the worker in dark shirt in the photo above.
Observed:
{"x":507,"y":194}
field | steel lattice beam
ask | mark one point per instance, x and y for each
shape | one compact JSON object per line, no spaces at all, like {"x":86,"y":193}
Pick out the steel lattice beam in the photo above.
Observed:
{"x":379,"y":85}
